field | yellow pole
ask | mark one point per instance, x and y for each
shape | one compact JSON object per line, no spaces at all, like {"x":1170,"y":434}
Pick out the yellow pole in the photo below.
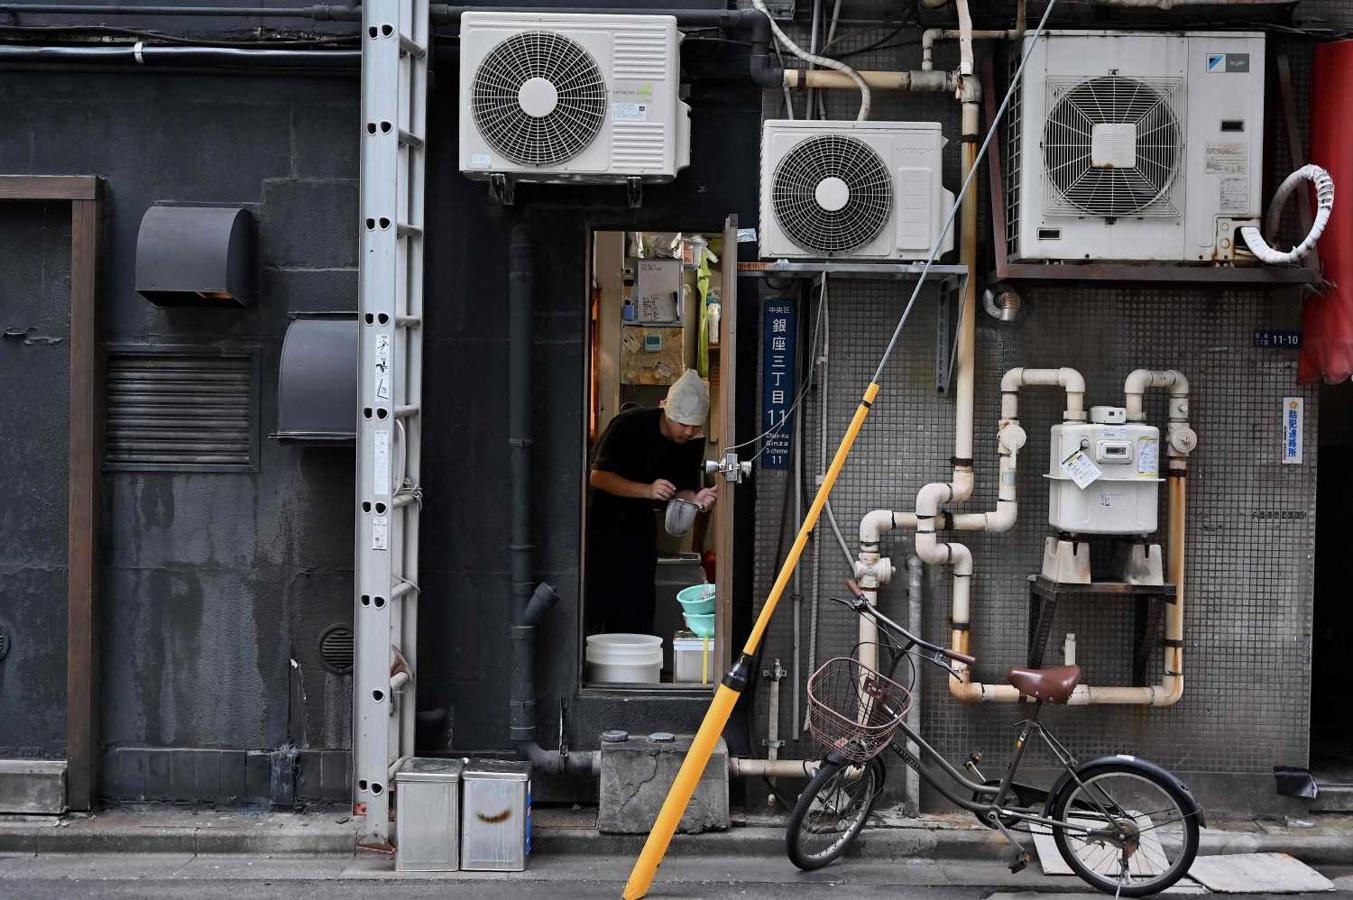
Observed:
{"x":726,"y":697}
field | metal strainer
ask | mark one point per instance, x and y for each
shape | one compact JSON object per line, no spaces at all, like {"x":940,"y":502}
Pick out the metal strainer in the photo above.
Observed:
{"x":680,"y":516}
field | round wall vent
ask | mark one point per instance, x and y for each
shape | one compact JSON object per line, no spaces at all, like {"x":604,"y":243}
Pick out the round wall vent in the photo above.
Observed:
{"x":335,"y":648}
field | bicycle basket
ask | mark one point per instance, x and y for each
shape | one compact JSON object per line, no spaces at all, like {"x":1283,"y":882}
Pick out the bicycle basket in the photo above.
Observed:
{"x":854,"y":710}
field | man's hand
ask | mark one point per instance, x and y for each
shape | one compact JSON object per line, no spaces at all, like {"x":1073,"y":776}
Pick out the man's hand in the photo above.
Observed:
{"x":662,"y":489}
{"x":707,"y":497}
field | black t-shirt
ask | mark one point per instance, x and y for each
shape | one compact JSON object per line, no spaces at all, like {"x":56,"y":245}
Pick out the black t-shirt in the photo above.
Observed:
{"x":633,"y":447}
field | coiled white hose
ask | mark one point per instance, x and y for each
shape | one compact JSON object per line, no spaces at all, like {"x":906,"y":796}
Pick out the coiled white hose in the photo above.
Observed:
{"x":866,"y":99}
{"x":1324,"y":195}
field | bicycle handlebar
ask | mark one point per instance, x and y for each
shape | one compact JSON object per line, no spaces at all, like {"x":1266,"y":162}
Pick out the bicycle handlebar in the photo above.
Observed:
{"x":863,"y":607}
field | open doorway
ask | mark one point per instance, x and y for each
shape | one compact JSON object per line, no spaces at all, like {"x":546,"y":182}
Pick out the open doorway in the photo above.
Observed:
{"x":1331,"y":677}
{"x":656,"y":524}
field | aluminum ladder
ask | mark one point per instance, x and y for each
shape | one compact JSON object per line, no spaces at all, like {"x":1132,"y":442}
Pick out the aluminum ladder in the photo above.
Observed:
{"x":395,"y":47}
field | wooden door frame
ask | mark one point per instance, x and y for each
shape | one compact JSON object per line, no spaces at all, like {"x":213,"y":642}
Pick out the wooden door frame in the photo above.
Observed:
{"x":83,"y":192}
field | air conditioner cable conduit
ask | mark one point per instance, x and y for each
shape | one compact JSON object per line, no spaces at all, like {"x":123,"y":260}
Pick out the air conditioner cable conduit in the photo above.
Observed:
{"x":1324,"y":196}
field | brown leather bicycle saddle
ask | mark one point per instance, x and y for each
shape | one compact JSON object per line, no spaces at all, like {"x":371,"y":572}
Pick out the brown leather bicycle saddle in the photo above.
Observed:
{"x":1053,"y":684}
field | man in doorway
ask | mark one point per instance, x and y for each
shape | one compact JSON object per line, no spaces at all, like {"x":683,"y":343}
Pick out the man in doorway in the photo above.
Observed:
{"x":645,"y":458}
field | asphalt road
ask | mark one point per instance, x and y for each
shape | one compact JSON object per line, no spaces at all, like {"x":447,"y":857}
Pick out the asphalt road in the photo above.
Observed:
{"x":183,"y":877}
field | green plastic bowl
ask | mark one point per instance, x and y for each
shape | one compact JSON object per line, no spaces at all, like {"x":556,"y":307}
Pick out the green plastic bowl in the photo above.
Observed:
{"x":702,"y":625}
{"x":697,"y":600}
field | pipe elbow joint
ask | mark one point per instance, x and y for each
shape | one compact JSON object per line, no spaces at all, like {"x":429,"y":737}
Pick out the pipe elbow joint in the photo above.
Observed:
{"x":931,"y":497}
{"x":1003,"y":519}
{"x":874,"y":524}
{"x":1012,"y":380}
{"x":962,"y":689}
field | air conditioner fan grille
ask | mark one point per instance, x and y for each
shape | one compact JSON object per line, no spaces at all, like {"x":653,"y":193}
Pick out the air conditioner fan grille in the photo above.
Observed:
{"x":1078,"y":184}
{"x":864,"y":187}
{"x":567,"y":98}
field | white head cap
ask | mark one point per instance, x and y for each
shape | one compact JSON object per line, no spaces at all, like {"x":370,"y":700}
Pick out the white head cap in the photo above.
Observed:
{"x":688,"y":399}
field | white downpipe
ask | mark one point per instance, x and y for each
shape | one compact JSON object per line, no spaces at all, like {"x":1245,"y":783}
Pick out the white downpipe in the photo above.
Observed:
{"x":740,"y":767}
{"x":915,"y":568}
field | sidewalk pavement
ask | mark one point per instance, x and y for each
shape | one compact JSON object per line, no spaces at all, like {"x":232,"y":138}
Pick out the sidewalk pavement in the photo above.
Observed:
{"x":163,"y":828}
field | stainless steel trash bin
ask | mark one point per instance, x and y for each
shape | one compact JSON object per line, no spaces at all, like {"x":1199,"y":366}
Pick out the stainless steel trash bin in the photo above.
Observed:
{"x":495,"y":816}
{"x":427,"y":822}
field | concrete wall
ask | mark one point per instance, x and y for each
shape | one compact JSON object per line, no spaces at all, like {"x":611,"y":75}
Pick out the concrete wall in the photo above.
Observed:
{"x":216,"y":586}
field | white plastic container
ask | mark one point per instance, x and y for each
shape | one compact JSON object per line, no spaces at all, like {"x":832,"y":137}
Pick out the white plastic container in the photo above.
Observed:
{"x":693,"y":659}
{"x":624,"y":658}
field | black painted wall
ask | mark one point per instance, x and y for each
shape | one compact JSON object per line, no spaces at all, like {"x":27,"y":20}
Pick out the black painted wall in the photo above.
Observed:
{"x":217,"y":586}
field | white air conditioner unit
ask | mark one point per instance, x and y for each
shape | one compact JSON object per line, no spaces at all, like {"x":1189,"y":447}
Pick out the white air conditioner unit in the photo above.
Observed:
{"x":559,"y":97}
{"x":858,"y":190}
{"x":1133,"y":146}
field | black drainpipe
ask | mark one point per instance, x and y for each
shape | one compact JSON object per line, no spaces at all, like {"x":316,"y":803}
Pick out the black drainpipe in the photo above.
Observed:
{"x":528,"y":605}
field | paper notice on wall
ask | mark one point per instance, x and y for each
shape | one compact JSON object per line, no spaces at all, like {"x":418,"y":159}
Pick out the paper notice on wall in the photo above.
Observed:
{"x":1081,"y":469}
{"x":1226,"y":159}
{"x":1148,"y":457}
{"x":380,"y":532}
{"x":380,"y":464}
{"x":1294,"y":413}
{"x":1234,"y":194}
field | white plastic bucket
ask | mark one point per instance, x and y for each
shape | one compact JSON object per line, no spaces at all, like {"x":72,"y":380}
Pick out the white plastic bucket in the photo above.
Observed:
{"x":624,"y":658}
{"x":693,"y":659}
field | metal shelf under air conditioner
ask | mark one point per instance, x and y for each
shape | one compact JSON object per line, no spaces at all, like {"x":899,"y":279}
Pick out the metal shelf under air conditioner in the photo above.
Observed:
{"x":1225,"y":276}
{"x":950,"y":279}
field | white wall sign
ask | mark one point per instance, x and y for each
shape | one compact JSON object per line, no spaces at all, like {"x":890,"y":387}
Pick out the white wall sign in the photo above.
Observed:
{"x":1294,"y":414}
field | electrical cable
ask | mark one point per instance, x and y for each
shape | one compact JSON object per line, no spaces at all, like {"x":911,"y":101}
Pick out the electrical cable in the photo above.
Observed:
{"x":866,"y":98}
{"x":963,"y":191}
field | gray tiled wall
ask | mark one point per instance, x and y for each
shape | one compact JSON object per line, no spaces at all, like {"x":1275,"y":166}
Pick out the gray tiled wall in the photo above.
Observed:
{"x":1251,"y":520}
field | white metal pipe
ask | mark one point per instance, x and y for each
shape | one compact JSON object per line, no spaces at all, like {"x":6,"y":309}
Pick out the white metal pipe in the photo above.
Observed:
{"x":1141,"y":380}
{"x":915,"y":570}
{"x":740,"y":767}
{"x":883,"y":81}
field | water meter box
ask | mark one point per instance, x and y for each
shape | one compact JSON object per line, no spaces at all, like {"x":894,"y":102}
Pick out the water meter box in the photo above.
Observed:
{"x":1104,"y":478}
{"x":495,"y":816}
{"x":427,"y":828}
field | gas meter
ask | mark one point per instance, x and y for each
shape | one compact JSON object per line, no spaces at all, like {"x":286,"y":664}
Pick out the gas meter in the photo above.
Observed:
{"x":1104,"y":475}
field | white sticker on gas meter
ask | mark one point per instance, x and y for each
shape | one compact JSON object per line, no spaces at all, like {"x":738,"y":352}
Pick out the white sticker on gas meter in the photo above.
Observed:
{"x":1148,"y":457}
{"x":382,"y":366}
{"x":380,"y":464}
{"x":1235,"y":194}
{"x":1080,"y":468}
{"x":1226,"y":159}
{"x":629,"y":112}
{"x":380,"y":532}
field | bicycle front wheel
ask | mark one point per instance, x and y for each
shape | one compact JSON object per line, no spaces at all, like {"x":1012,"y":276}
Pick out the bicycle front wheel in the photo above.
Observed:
{"x":1132,"y":832}
{"x":831,"y":811}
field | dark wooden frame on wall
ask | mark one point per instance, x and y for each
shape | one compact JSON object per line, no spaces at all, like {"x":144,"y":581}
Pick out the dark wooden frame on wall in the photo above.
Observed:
{"x":82,"y":706}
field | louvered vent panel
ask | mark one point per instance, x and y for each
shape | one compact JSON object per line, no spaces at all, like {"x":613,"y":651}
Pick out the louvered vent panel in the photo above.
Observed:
{"x":639,"y":55}
{"x":171,"y":411}
{"x":637,"y":145}
{"x":1014,"y":162}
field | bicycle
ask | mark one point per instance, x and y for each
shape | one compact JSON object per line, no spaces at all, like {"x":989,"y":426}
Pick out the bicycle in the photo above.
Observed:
{"x":1124,"y":825}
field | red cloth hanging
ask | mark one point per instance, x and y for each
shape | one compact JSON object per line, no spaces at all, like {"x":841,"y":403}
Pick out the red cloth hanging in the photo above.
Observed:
{"x":1327,"y":321}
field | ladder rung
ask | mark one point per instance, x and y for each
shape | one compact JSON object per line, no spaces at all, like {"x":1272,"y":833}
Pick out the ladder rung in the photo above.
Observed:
{"x":408,"y":322}
{"x":403,"y":498}
{"x":409,"y":139}
{"x":410,"y":46}
{"x":403,"y":412}
{"x":403,"y":230}
{"x":399,"y":679}
{"x":399,"y":590}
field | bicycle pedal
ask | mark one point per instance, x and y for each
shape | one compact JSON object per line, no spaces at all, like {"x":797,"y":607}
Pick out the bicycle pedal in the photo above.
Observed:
{"x":1021,"y":860}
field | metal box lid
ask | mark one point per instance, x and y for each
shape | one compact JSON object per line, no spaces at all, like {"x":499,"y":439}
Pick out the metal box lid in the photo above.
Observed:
{"x":496,"y":770}
{"x":428,"y":768}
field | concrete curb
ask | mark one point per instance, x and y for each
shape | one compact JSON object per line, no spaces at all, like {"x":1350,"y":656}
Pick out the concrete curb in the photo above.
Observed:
{"x":325,"y":837}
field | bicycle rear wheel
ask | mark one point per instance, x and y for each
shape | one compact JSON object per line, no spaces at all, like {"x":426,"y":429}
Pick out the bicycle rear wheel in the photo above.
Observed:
{"x":1141,"y":834}
{"x":831,"y":811}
